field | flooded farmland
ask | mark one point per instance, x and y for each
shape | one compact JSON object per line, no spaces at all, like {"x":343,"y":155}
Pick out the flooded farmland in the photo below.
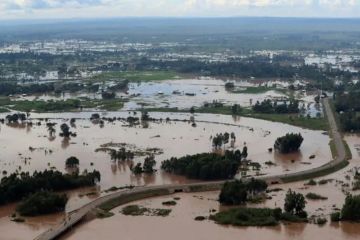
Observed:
{"x":31,"y":148}
{"x":181,"y":224}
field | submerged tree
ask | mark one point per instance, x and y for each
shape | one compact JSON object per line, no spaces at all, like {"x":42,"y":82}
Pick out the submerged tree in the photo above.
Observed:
{"x":289,"y":143}
{"x":295,"y":204}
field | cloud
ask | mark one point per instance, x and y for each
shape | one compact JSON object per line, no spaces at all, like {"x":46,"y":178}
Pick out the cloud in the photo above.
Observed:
{"x":113,"y":8}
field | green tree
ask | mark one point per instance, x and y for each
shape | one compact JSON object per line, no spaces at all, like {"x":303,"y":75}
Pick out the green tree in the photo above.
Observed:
{"x":72,"y":162}
{"x":295,"y":204}
{"x":351,"y":209}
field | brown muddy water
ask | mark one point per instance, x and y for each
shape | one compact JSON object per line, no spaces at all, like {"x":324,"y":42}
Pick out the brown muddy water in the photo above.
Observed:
{"x":180,"y":224}
{"x":174,"y":138}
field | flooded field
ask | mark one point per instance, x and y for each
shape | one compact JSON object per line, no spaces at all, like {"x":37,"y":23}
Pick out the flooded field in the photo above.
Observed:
{"x":180,"y":223}
{"x":27,"y":148}
{"x":181,"y":93}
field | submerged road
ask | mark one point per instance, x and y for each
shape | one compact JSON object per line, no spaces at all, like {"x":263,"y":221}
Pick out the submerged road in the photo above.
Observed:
{"x":76,"y":216}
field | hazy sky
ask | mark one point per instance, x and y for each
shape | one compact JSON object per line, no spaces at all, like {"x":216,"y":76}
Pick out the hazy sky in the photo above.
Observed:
{"x":20,"y":9}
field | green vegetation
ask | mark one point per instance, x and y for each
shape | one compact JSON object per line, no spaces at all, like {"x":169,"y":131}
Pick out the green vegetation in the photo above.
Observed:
{"x":136,"y":210}
{"x":63,"y":106}
{"x":320,"y":221}
{"x":238,"y":192}
{"x":314,"y":196}
{"x":136,"y":76}
{"x":351,"y":208}
{"x":205,"y":166}
{"x":41,"y":203}
{"x":348,"y":107}
{"x":258,"y":90}
{"x":295,"y":204}
{"x":169,"y":203}
{"x":248,"y":217}
{"x":46,"y":106}
{"x":289,"y":143}
{"x":72,"y":162}
{"x":268,"y":106}
{"x":335,"y":216}
{"x":292,"y":119}
{"x":103,"y":214}
{"x":17,"y":186}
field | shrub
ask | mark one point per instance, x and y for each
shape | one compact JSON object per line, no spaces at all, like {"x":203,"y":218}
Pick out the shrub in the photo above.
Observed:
{"x":321,"y":221}
{"x":335,"y":216}
{"x":314,"y":196}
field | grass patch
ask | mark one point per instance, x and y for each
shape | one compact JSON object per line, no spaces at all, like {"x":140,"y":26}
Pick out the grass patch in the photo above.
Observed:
{"x":103,"y":214}
{"x":136,"y":210}
{"x":169,"y":203}
{"x":259,"y":89}
{"x":292,"y":119}
{"x":136,"y":76}
{"x":314,"y":196}
{"x":4,"y":110}
{"x":248,"y":217}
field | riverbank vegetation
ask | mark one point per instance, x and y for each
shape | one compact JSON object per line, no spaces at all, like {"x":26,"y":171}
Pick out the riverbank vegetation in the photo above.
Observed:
{"x":17,"y":186}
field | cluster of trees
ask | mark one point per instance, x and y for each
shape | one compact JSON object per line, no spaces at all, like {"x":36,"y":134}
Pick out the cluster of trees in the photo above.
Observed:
{"x":205,"y":166}
{"x":13,"y":88}
{"x":17,"y":186}
{"x":348,"y":105}
{"x":65,"y":131}
{"x":268,"y":106}
{"x":13,"y":118}
{"x":222,"y":139}
{"x":108,"y":95}
{"x":147,"y":167}
{"x":291,"y":142}
{"x":121,"y":155}
{"x":237,"y":192}
{"x":43,"y":202}
{"x":351,"y":208}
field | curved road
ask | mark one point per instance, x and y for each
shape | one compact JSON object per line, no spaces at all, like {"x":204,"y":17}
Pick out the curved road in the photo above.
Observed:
{"x":77,"y":215}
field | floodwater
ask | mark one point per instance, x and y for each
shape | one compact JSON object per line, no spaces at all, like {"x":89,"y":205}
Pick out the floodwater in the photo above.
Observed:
{"x":176,"y":138}
{"x":160,"y":94}
{"x":180,"y":224}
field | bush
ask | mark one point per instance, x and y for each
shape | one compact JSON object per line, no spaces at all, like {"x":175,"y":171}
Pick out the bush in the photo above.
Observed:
{"x":314,"y":196}
{"x":42,"y":203}
{"x":321,"y":221}
{"x":335,"y":217}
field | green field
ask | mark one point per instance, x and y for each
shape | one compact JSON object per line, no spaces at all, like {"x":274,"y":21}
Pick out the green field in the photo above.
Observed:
{"x":63,"y":106}
{"x":292,"y":119}
{"x":136,"y":76}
